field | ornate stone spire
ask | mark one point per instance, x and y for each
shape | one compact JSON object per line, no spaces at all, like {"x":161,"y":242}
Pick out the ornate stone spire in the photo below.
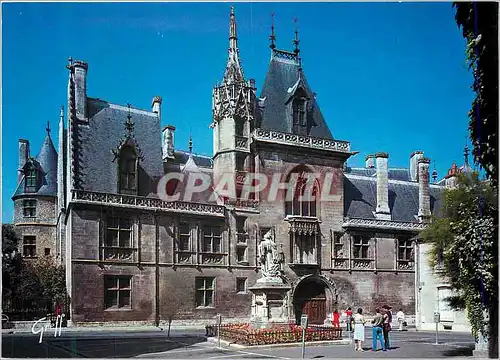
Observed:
{"x":296,"y":41}
{"x":272,"y":37}
{"x":233,"y":39}
{"x":190,"y":143}
{"x":466,"y":155}
{"x":129,"y":124}
{"x":434,"y":173}
{"x":234,"y":72}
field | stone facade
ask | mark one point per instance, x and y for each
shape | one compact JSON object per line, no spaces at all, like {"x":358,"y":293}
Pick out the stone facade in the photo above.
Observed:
{"x":132,"y":256}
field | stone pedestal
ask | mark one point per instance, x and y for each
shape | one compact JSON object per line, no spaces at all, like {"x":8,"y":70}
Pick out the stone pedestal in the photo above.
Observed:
{"x":269,"y":302}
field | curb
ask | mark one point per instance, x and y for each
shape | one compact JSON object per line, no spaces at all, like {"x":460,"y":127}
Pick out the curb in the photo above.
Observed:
{"x":82,"y":329}
{"x":228,"y":344}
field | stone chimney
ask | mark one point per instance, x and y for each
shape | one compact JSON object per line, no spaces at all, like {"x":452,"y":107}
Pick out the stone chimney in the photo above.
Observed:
{"x":24,"y":152}
{"x":168,"y":142}
{"x":382,"y":211}
{"x":80,"y":79}
{"x":414,"y":164}
{"x":370,"y":161}
{"x":156,"y":105}
{"x":424,"y":200}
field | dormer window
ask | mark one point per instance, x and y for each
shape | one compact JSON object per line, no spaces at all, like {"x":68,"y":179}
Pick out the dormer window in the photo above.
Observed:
{"x":299,"y":111}
{"x":127,"y":164}
{"x":31,"y":178}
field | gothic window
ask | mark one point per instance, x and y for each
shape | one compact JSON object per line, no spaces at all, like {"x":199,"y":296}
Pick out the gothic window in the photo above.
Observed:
{"x":29,"y":208}
{"x":305,"y":192}
{"x":128,"y":171}
{"x":184,"y":237}
{"x":360,"y":247}
{"x":31,"y":178}
{"x":212,"y":238}
{"x":29,"y":246}
{"x":305,"y":248}
{"x":205,"y":290}
{"x":405,"y":250}
{"x":117,"y":290}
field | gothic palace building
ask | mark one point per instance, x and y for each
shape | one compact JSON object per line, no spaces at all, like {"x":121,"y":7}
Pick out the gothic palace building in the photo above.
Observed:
{"x":132,"y":256}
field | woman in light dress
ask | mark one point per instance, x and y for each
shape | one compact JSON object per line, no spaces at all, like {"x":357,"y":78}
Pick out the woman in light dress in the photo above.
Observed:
{"x":359,"y":330}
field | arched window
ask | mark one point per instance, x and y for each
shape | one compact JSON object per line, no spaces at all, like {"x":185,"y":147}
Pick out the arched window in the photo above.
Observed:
{"x":305,"y":193}
{"x":128,"y":171}
{"x":31,"y":178}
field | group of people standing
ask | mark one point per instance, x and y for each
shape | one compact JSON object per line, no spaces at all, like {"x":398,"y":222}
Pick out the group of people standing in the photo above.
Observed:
{"x":381,"y":326}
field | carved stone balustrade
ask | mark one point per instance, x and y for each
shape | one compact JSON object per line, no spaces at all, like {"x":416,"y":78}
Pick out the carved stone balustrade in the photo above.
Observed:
{"x":383,"y":224}
{"x":303,"y":225}
{"x":240,"y":203}
{"x":302,"y":140}
{"x":83,"y":196}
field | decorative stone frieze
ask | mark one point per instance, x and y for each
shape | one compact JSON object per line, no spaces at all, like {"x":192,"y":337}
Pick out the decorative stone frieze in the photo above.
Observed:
{"x":301,"y":140}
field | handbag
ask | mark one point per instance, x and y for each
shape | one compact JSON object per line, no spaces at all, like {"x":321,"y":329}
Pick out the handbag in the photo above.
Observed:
{"x":387,"y":327}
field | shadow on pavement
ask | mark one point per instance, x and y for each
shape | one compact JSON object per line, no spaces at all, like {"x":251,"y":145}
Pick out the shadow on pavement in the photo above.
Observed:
{"x":463,"y":351}
{"x":103,"y":347}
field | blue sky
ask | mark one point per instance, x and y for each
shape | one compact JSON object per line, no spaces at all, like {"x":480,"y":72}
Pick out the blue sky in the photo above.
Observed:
{"x":389,"y":77}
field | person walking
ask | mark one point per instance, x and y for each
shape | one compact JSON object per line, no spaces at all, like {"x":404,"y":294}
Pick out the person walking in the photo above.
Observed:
{"x":348,"y":314}
{"x":377,"y":331}
{"x":359,"y":330}
{"x":401,"y":318}
{"x":336,"y":319}
{"x":387,"y":325}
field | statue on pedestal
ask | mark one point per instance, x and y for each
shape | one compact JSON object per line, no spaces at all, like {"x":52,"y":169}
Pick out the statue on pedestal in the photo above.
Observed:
{"x":268,"y":257}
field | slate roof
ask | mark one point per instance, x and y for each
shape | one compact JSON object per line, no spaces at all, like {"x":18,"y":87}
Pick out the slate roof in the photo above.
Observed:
{"x":46,"y":163}
{"x":104,"y":133}
{"x":181,"y":157}
{"x":281,"y":76}
{"x":360,"y":198}
{"x":394,"y":174}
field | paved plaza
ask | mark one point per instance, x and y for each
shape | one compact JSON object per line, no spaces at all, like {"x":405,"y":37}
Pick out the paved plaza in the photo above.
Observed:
{"x":193,"y":345}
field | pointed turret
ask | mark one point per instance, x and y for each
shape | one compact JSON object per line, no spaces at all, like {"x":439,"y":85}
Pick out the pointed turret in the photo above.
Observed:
{"x":42,"y":171}
{"x":47,"y":158}
{"x":233,"y":104}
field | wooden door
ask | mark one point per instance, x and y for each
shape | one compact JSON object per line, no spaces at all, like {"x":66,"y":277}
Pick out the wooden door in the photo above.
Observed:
{"x":315,"y":310}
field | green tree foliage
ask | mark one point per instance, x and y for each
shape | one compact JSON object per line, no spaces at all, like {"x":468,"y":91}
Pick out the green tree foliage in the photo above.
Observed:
{"x":29,"y":286}
{"x":465,"y":244}
{"x":479,"y":23}
{"x":53,"y":280}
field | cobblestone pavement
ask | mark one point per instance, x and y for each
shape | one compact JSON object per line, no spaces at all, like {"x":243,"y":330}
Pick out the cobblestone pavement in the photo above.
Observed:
{"x":193,"y":345}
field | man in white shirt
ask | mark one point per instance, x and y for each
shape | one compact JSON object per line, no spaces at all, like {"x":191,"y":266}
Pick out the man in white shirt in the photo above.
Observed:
{"x":401,"y":318}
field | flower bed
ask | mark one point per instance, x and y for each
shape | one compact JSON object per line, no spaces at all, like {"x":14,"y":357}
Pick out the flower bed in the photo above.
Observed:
{"x":244,"y":334}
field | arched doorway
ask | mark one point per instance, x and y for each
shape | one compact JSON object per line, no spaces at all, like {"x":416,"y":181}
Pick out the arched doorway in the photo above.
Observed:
{"x":312,"y":296}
